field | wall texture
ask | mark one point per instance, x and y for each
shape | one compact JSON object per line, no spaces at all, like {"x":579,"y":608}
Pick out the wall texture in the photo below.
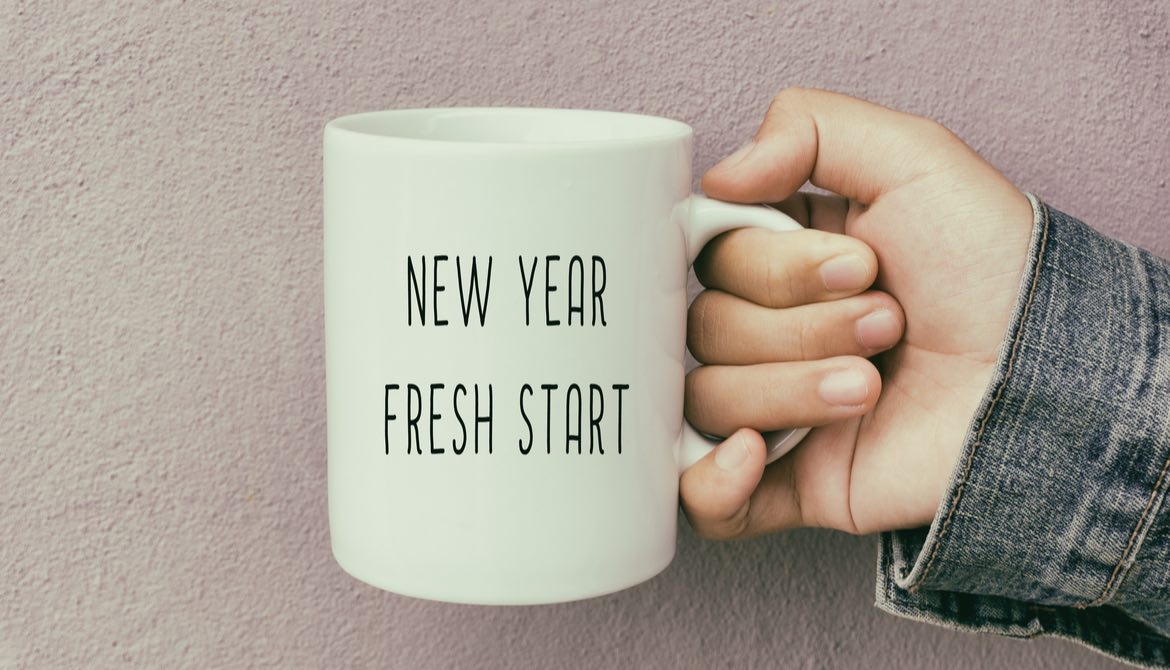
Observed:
{"x":162,"y":418}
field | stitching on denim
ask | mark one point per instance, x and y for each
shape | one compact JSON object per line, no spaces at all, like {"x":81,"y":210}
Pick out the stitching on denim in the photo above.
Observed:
{"x":991,"y":407}
{"x":1131,"y":546}
{"x":944,"y":616}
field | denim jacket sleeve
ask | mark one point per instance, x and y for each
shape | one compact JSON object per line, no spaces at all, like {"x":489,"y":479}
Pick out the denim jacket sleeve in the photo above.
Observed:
{"x":1057,"y":519}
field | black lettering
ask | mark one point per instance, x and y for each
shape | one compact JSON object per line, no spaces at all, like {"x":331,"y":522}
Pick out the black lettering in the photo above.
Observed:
{"x":595,"y":414}
{"x":481,"y":418}
{"x":412,"y":417}
{"x":462,"y":426}
{"x":619,"y":388}
{"x":419,"y":295}
{"x":434,"y":417}
{"x":549,"y":289}
{"x":527,"y":282}
{"x":579,"y":306}
{"x":525,"y":450}
{"x":481,"y":297}
{"x":389,"y":417}
{"x":548,"y":389}
{"x":598,"y":306}
{"x":570,"y":436}
{"x":436,"y":289}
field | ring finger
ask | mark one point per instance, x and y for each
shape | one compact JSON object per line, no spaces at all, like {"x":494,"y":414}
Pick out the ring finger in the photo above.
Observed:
{"x":720,"y":399}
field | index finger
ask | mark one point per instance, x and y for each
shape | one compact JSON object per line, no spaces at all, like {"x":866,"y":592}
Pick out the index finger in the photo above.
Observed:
{"x":852,"y":147}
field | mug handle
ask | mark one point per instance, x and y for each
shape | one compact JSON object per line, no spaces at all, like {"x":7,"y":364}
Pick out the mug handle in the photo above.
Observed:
{"x":706,"y":219}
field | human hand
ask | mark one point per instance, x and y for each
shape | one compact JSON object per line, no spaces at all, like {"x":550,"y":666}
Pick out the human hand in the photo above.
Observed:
{"x":784,"y":346}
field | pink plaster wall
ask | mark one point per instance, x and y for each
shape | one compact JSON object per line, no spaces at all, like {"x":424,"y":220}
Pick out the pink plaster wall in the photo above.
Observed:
{"x":162,"y":421}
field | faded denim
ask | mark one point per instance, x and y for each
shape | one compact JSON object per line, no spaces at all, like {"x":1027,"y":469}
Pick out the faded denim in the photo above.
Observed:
{"x":1056,"y":520}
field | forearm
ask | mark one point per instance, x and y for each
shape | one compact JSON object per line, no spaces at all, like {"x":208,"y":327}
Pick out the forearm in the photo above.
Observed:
{"x":1055,"y":520}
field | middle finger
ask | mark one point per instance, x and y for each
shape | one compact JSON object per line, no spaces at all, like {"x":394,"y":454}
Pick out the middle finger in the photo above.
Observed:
{"x":723,"y":329}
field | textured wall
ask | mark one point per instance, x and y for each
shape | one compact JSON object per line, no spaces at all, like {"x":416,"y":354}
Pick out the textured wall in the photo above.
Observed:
{"x":162,"y":419}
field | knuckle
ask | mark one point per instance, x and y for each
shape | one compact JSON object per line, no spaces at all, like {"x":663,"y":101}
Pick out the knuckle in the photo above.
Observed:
{"x":807,"y":340}
{"x":779,"y":281}
{"x":793,"y":108}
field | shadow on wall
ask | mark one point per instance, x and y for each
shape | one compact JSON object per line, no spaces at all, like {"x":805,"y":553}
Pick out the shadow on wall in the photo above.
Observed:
{"x":803,"y":597}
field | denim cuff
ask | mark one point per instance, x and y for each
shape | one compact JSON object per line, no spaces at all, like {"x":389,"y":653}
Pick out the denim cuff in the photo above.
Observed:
{"x":1055,"y":520}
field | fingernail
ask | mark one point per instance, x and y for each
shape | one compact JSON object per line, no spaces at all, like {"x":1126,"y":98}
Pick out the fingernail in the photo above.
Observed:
{"x":844,"y":273}
{"x":844,"y":387}
{"x":878,"y":329}
{"x":731,"y":454}
{"x":738,"y":155}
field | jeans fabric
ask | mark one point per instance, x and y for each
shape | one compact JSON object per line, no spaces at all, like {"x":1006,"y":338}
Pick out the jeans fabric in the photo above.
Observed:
{"x":1056,"y":520}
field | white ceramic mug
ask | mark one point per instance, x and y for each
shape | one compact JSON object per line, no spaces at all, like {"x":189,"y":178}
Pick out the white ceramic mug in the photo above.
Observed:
{"x":505,"y":296}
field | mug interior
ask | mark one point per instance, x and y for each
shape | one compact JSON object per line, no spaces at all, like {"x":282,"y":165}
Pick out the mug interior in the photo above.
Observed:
{"x":513,"y":125}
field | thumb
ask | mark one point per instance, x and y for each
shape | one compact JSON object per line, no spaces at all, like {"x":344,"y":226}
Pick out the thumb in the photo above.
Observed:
{"x":716,"y":492}
{"x":849,"y":146}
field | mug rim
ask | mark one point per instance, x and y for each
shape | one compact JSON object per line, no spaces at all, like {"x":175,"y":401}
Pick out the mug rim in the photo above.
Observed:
{"x":362,"y":124}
